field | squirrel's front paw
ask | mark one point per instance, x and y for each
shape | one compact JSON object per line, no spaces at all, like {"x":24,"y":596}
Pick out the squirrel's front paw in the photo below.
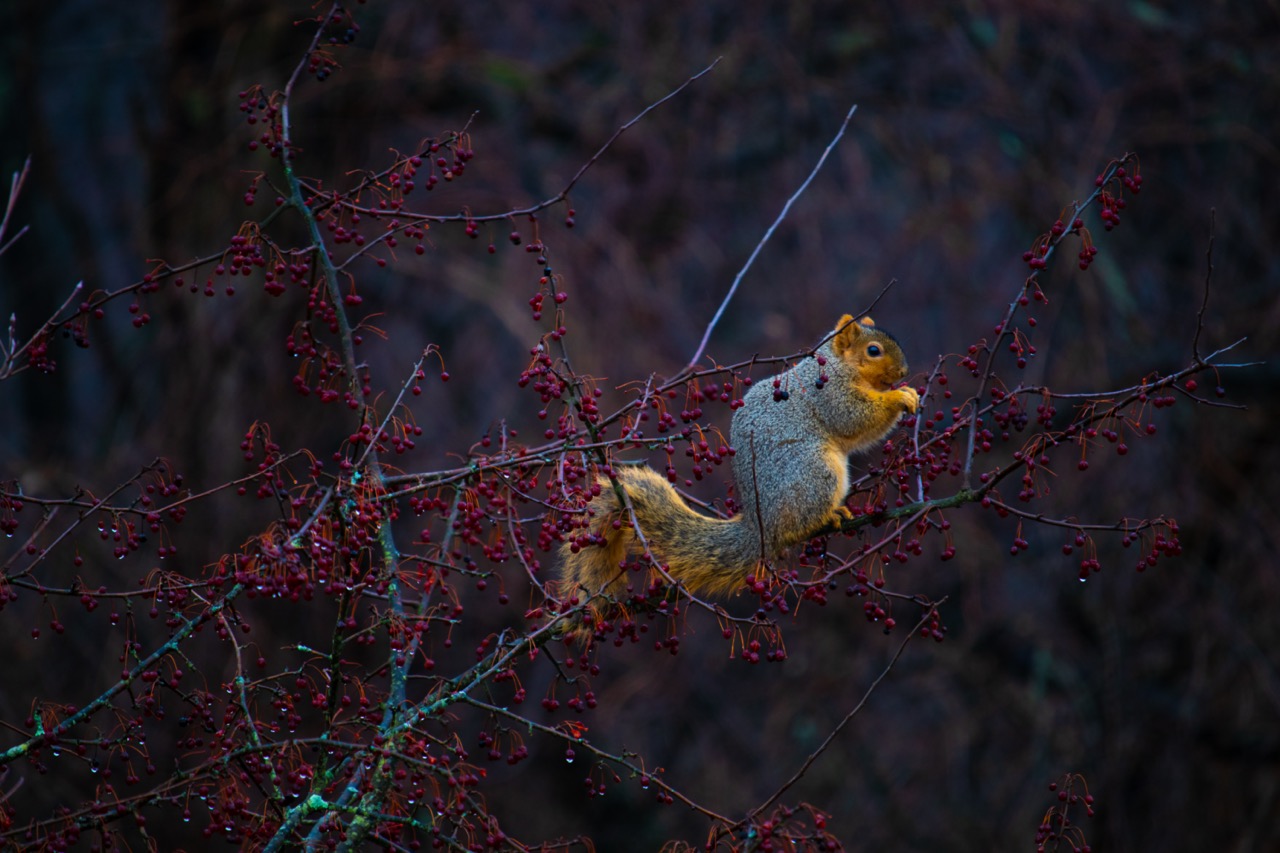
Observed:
{"x":910,"y":399}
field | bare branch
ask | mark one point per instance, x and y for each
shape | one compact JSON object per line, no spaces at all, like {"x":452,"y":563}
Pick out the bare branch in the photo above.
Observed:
{"x":1208,"y":278}
{"x":786,"y":208}
{"x":831,"y":736}
{"x":15,"y":187}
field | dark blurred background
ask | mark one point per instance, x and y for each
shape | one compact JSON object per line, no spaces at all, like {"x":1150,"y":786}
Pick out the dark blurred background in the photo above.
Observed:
{"x":977,"y":123}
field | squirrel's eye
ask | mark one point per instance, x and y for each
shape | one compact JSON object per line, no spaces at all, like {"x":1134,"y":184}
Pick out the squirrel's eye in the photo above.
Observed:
{"x":873,"y":350}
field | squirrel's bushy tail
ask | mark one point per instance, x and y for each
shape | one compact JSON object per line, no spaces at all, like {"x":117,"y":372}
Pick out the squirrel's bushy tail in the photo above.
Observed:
{"x":708,"y":555}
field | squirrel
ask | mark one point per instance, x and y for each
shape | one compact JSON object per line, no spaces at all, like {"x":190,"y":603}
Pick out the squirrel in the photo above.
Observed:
{"x":792,"y":437}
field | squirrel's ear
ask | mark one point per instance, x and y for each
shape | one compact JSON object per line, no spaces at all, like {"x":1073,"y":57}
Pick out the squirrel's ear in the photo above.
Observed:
{"x":868,"y":322}
{"x":847,"y":332}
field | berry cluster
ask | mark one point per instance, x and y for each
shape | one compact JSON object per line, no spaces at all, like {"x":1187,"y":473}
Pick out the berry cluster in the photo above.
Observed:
{"x":1057,"y":826}
{"x":1108,"y":187}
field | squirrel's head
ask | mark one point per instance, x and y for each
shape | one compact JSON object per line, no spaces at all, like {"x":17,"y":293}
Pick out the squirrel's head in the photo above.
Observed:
{"x":872,"y":353}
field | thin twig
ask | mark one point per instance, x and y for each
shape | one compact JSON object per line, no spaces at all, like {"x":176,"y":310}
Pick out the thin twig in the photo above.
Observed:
{"x":410,"y":216}
{"x":391,"y":410}
{"x":15,"y":187}
{"x":975,"y":401}
{"x":601,"y":755}
{"x":1204,"y":301}
{"x":8,"y":366}
{"x":733,"y":288}
{"x":822,"y":747}
{"x":617,"y":133}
